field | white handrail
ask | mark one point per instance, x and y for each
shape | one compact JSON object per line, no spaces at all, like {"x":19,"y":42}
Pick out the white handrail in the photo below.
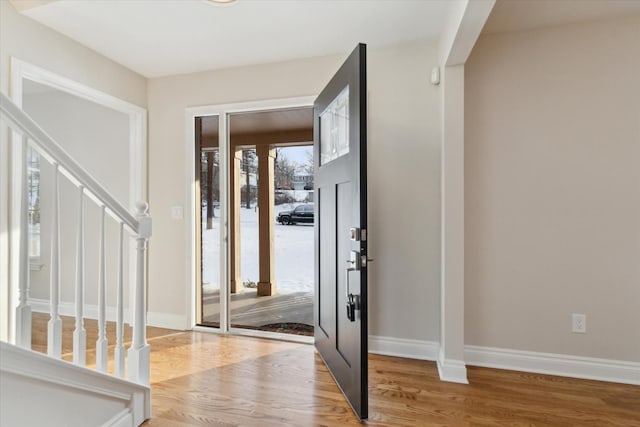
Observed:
{"x":16,"y":117}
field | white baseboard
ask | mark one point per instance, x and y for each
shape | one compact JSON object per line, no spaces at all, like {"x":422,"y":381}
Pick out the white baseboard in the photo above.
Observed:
{"x":452,"y":370}
{"x":159,"y":320}
{"x":66,"y":308}
{"x":554,"y":364}
{"x":400,"y":347}
{"x":449,"y":370}
{"x":168,"y":321}
{"x":122,"y":419}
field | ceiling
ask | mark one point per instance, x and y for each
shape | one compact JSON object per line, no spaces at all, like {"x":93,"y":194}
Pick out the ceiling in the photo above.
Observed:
{"x":518,"y":15}
{"x":275,"y":127}
{"x":166,"y":37}
{"x":272,"y":121}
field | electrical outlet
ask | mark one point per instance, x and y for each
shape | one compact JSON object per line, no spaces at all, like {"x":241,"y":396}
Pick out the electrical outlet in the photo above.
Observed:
{"x":579,"y":323}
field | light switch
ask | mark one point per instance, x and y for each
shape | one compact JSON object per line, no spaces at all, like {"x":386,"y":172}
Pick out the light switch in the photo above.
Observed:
{"x":176,"y":212}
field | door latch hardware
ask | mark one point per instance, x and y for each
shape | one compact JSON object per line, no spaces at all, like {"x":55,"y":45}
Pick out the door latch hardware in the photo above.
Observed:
{"x":351,"y":307}
{"x":353,"y":301}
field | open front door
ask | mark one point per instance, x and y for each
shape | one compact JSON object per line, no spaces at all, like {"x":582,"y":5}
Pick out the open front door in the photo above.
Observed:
{"x":340,"y":156}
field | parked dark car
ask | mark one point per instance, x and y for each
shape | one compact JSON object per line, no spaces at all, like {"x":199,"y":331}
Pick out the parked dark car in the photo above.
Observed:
{"x":301,"y":214}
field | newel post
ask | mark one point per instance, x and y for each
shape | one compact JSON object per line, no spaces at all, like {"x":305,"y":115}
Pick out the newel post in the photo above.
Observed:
{"x":139,"y":352}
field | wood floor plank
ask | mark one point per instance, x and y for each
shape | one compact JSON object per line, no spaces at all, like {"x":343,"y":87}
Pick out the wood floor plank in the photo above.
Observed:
{"x":207,"y":379}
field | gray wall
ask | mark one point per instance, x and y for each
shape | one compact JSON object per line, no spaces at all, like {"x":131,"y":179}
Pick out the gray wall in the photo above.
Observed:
{"x":552,"y":154}
{"x":98,"y":138}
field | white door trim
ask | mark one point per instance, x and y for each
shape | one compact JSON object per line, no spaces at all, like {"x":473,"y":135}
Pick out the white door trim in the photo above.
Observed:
{"x":21,"y":70}
{"x":222,"y":111}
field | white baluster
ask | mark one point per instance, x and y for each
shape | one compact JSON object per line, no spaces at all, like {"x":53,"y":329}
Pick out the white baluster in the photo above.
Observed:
{"x":119,"y":350}
{"x":54,"y":337}
{"x":139,"y":352}
{"x":101,"y":343}
{"x":80,"y":334}
{"x":23,"y":311}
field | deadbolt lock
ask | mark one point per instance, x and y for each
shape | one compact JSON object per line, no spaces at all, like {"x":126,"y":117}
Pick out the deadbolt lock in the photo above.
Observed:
{"x":357,"y":234}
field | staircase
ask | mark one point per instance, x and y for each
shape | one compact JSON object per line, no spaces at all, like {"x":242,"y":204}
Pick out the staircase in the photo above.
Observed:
{"x":68,"y":393}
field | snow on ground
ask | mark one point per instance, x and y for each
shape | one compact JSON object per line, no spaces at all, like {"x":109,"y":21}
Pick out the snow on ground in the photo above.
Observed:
{"x":293,"y":252}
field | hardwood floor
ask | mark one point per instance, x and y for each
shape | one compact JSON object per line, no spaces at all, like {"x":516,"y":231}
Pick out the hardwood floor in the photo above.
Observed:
{"x":39,"y":337}
{"x":207,"y":379}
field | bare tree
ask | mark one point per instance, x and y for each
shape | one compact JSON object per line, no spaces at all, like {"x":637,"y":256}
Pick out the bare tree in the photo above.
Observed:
{"x":209,"y":179}
{"x":308,"y":164}
{"x":284,"y":171}
{"x":249,"y":166}
{"x":307,"y":168}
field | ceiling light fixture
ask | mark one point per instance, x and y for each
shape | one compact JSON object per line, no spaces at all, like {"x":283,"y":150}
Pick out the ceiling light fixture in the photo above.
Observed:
{"x":220,"y":2}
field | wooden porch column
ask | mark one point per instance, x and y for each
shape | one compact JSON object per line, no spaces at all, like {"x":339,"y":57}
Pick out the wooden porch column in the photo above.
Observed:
{"x":234,"y":220}
{"x":266,"y":156}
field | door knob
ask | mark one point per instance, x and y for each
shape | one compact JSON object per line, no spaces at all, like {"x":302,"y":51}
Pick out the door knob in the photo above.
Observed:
{"x":364,"y":261}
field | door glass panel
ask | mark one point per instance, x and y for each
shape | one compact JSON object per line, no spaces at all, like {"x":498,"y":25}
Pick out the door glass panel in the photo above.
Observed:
{"x":208,"y":219}
{"x":293,"y":243}
{"x":334,"y":128}
{"x":210,"y":222}
{"x":288,"y":308}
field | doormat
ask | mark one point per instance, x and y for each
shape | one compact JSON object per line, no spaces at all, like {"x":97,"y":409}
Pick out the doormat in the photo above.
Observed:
{"x":289,"y":328}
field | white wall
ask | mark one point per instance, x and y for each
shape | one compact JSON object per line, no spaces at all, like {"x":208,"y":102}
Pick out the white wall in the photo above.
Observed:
{"x":403,"y":159}
{"x":53,"y":402}
{"x":38,"y":45}
{"x":29,"y":41}
{"x":98,"y":138}
{"x":552,"y":126}
{"x":404,"y":141}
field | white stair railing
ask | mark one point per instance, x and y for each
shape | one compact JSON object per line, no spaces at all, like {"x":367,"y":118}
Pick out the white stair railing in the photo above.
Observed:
{"x":80,"y":334}
{"x":102,"y":344}
{"x":27,"y":134}
{"x":54,"y":336}
{"x":23,"y":311}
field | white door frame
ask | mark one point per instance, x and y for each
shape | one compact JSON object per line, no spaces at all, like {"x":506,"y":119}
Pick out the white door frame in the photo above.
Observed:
{"x":21,"y":70}
{"x":222,"y":111}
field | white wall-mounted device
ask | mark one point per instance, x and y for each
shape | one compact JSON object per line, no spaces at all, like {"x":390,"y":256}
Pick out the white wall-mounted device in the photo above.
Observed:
{"x":435,"y":76}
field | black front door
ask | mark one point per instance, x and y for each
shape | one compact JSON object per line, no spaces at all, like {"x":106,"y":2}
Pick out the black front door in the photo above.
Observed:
{"x":340,"y":156}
